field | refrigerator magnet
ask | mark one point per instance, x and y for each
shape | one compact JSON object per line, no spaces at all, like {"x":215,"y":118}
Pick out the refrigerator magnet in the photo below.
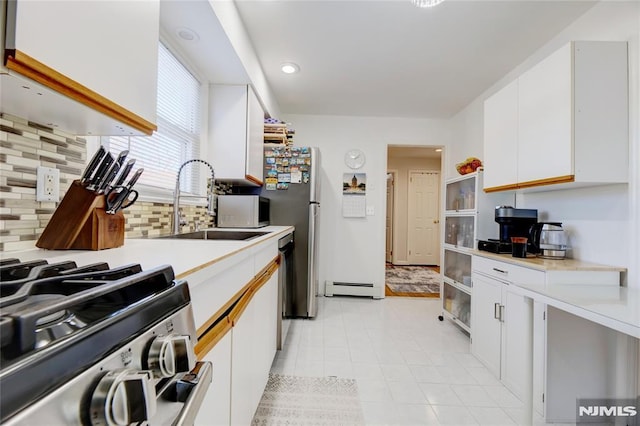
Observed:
{"x":271,"y":183}
{"x":284,"y":177}
{"x":296,"y":177}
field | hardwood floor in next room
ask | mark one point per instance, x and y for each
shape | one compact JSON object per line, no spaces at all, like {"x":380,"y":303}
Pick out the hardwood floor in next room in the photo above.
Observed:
{"x":412,"y":280}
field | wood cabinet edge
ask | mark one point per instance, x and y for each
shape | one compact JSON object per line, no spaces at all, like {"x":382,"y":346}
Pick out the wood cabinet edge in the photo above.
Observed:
{"x":253,"y":180}
{"x":211,"y":338}
{"x":531,"y":184}
{"x":29,"y":67}
{"x":209,"y":335}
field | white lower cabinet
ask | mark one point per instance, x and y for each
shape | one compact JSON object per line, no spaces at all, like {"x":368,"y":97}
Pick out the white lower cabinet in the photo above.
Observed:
{"x":501,"y":320}
{"x":487,"y":328}
{"x":516,"y":317}
{"x":242,"y":358}
{"x":502,"y":323}
{"x":243,"y":368}
{"x":215,"y":408}
{"x":253,"y":350}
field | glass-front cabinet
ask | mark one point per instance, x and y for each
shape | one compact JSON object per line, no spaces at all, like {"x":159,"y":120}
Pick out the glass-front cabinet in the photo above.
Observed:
{"x":468,"y":216}
{"x":458,"y":304}
{"x":459,"y":239}
{"x":457,"y":268}
{"x":460,"y":231}
{"x":461,"y":193}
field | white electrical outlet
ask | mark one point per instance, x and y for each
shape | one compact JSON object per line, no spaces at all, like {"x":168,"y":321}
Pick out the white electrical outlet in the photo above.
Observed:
{"x":47,"y":184}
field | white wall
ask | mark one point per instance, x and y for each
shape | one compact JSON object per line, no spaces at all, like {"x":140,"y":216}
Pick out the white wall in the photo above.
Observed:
{"x":604,"y":223}
{"x":352,"y":249}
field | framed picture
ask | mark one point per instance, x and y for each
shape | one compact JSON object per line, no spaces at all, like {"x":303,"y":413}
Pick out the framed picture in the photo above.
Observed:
{"x":354,"y":183}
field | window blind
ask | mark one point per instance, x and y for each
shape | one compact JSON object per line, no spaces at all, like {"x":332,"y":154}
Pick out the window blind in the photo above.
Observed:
{"x":178,"y":136}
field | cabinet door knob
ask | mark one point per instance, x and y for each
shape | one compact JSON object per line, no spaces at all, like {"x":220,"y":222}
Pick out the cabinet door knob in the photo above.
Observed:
{"x":436,"y":221}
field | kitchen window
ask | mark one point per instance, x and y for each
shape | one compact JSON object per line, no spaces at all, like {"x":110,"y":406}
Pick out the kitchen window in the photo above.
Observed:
{"x":177,"y":139}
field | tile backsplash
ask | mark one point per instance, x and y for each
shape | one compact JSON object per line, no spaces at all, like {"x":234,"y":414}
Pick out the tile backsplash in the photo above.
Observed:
{"x":25,"y":145}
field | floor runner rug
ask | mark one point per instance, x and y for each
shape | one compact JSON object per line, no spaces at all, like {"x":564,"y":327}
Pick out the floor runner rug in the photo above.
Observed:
{"x":309,"y":401}
{"x":412,"y":279}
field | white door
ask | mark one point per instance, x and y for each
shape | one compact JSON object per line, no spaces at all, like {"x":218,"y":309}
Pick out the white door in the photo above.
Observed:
{"x":389,"y":221}
{"x":423,"y":224}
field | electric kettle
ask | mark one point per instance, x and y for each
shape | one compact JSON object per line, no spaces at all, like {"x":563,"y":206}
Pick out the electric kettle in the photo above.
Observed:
{"x":549,"y":240}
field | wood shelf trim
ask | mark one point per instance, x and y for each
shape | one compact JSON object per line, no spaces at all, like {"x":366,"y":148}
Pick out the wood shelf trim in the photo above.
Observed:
{"x":29,"y":67}
{"x":532,"y":183}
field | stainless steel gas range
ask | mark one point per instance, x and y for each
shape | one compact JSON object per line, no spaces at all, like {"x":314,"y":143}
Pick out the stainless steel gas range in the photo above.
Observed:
{"x":95,"y":345}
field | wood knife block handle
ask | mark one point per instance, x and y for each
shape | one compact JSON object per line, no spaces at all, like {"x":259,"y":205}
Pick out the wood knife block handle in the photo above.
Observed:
{"x":80,"y":222}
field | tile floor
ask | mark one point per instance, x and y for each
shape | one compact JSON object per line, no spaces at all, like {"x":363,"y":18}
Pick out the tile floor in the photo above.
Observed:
{"x":411,"y":369}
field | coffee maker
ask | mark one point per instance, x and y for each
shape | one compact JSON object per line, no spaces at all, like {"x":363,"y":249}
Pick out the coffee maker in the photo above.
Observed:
{"x":512,"y":222}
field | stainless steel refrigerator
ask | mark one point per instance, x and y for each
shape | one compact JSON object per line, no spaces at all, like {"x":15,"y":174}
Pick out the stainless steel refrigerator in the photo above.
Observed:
{"x":291,"y":182}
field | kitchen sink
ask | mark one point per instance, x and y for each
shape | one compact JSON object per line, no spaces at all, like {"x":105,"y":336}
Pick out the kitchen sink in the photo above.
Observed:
{"x":218,"y":235}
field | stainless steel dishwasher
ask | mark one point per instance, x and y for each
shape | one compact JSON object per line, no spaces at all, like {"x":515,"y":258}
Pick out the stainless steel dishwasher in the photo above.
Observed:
{"x":285,"y":281}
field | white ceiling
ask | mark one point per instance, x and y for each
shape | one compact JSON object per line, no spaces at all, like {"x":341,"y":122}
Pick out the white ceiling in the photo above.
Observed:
{"x":389,"y":58}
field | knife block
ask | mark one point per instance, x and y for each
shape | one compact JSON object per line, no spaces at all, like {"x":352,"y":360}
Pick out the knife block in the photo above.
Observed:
{"x":81,"y":223}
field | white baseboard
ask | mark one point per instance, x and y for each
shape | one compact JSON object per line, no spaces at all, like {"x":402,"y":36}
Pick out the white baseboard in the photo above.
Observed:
{"x":335,"y":288}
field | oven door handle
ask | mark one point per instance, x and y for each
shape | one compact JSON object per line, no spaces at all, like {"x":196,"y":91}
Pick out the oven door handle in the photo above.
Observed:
{"x":201,"y":377}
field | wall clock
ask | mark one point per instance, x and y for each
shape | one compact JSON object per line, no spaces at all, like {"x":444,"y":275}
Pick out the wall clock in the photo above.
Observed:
{"x":354,"y":158}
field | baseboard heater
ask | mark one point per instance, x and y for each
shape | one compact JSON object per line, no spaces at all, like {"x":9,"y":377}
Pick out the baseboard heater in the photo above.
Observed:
{"x":334,"y":288}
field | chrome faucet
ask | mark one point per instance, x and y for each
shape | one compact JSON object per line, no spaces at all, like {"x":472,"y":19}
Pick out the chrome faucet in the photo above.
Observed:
{"x":178,"y":221}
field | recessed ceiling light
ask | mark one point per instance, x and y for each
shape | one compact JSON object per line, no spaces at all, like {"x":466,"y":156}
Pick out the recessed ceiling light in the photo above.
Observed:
{"x":426,"y":3}
{"x":289,"y":68}
{"x":187,"y":34}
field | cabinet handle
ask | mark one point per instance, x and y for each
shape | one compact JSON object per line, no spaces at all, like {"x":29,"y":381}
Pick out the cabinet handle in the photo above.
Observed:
{"x":496,"y":311}
{"x":501,"y":313}
{"x":501,"y":271}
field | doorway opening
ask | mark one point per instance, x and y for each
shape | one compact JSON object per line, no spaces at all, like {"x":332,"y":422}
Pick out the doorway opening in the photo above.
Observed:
{"x":412,"y":225}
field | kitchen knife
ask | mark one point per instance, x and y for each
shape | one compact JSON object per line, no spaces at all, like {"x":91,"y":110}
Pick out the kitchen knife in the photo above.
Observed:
{"x":134,"y":179}
{"x":100,"y":174}
{"x":112,"y":172}
{"x":124,"y":173}
{"x":116,"y":200}
{"x":93,"y":164}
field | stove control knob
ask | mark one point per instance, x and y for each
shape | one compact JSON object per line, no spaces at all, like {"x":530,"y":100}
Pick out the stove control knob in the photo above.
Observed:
{"x":170,"y":355}
{"x":123,"y":397}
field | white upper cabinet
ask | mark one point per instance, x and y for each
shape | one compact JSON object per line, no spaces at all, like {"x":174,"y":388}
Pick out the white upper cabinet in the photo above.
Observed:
{"x":564,"y":121}
{"x":101,"y":54}
{"x":236,"y":134}
{"x":545,"y":143}
{"x":501,"y":137}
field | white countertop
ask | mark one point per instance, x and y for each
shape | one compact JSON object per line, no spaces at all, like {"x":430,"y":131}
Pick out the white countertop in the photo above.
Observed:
{"x":184,"y":255}
{"x":533,"y":262}
{"x":615,"y":307}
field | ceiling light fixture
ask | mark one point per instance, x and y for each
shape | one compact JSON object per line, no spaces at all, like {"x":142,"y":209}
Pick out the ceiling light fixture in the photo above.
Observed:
{"x":289,"y":68}
{"x":426,"y":3}
{"x":187,"y":34}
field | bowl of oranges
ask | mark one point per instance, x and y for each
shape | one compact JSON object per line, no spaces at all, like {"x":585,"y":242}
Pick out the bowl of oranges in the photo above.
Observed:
{"x":469,"y":165}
